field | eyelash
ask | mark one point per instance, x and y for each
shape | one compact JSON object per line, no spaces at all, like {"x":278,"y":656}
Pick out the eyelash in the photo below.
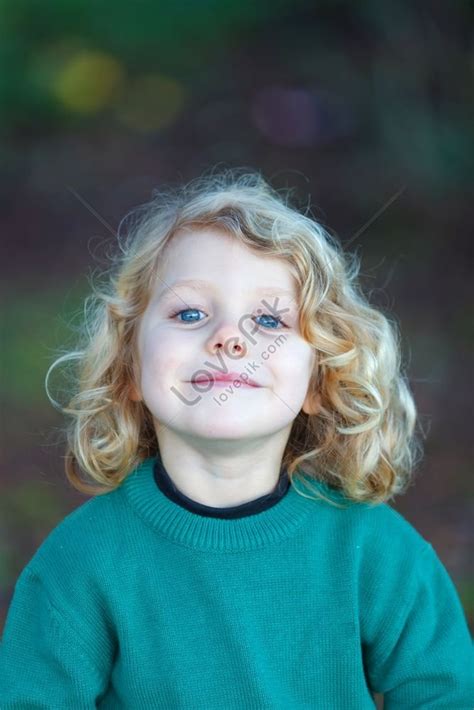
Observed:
{"x":183,"y":310}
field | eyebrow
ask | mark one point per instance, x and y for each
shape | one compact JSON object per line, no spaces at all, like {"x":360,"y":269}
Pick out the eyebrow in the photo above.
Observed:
{"x":201,"y":285}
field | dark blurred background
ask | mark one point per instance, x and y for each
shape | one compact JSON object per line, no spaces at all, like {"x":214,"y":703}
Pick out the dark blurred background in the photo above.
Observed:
{"x":364,"y":108}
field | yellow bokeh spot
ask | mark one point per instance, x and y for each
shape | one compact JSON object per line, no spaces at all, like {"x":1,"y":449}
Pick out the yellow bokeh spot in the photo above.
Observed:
{"x":151,"y":103}
{"x":88,"y":82}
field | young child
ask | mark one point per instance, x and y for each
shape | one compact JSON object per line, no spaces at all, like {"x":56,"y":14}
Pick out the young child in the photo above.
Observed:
{"x":242,"y":420}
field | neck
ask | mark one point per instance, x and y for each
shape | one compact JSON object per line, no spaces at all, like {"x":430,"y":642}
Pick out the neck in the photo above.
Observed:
{"x":223,"y":473}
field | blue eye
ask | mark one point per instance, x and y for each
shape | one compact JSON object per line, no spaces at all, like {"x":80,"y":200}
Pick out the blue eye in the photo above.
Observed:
{"x":187,"y":310}
{"x":189,"y":319}
{"x":275,"y":320}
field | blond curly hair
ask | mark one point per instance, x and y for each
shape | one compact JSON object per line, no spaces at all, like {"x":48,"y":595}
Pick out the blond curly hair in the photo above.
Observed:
{"x":362,"y":441}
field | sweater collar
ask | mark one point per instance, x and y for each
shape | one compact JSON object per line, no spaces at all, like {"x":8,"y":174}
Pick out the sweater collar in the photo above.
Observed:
{"x":165,"y":483}
{"x":276,"y":521}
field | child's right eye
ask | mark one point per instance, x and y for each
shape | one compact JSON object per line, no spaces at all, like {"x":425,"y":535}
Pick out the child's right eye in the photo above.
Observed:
{"x":187,"y":310}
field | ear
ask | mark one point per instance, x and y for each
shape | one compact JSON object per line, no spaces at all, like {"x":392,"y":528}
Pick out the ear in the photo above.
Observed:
{"x":133,"y":393}
{"x":312,"y":403}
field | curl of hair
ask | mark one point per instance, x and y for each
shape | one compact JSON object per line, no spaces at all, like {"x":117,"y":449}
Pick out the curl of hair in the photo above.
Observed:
{"x":362,"y":441}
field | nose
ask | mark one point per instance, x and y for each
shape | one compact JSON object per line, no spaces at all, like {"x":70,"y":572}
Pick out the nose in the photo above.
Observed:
{"x":229,"y":340}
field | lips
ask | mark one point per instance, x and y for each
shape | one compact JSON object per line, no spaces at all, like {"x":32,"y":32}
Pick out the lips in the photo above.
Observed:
{"x":229,"y":377}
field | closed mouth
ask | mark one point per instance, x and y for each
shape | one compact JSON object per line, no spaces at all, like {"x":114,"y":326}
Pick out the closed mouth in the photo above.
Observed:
{"x":222,"y":381}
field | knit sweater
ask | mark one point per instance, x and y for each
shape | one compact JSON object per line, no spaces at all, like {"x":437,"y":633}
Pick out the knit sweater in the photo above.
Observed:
{"x":142,"y":598}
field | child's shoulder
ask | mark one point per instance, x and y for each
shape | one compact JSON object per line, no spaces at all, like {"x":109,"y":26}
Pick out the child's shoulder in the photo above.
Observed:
{"x":377,"y":528}
{"x":84,"y":537}
{"x":389,"y":533}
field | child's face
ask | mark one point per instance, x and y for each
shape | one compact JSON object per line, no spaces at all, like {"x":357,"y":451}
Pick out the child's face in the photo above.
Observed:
{"x":174,"y":350}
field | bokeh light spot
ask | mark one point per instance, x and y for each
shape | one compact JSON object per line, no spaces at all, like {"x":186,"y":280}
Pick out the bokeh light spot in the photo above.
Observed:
{"x":89,"y":82}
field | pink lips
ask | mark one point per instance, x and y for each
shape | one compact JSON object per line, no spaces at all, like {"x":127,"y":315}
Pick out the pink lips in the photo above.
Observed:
{"x":221,"y":380}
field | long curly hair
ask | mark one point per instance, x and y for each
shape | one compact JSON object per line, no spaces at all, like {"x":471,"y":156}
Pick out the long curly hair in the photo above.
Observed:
{"x":362,"y":441}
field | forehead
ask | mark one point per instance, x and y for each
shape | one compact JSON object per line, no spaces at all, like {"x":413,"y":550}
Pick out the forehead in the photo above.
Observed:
{"x":214,"y":255}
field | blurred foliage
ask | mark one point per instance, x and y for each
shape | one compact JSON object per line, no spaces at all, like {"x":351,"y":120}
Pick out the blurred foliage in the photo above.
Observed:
{"x":62,"y":56}
{"x":373,"y":68}
{"x":38,"y":329}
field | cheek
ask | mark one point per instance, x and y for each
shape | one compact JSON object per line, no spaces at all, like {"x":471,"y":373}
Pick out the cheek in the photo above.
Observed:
{"x":295,"y":353}
{"x":293,"y":365}
{"x":156,"y":360}
{"x":161,"y":358}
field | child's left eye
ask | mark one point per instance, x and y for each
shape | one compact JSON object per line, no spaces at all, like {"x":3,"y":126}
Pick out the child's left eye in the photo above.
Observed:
{"x":266,"y":316}
{"x":275,"y":319}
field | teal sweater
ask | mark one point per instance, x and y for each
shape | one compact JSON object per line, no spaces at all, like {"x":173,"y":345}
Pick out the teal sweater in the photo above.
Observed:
{"x":137,"y":601}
